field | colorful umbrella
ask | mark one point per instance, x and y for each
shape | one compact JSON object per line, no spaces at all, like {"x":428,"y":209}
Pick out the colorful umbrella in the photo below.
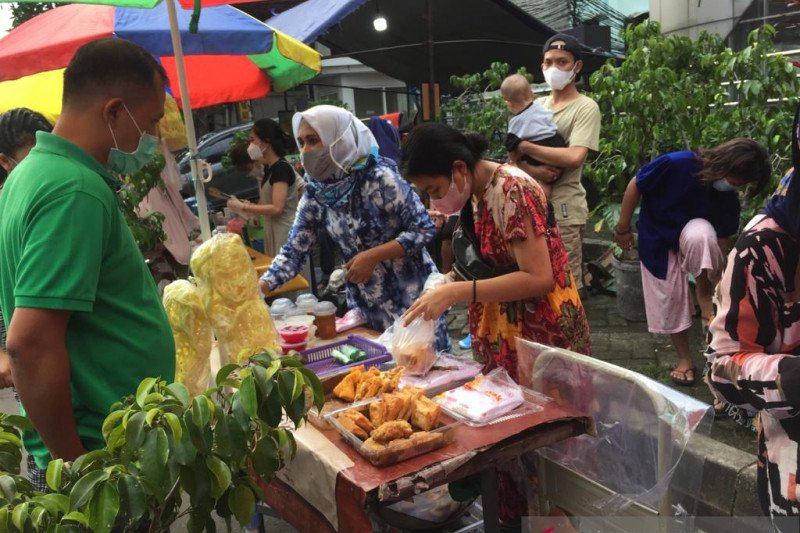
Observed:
{"x":232,"y":58}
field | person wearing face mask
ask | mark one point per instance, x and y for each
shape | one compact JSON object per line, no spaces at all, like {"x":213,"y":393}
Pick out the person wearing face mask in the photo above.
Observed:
{"x":689,"y":207}
{"x":85,"y":322}
{"x":577,"y":118}
{"x":531,"y":293}
{"x":378,"y":222}
{"x":280,"y":188}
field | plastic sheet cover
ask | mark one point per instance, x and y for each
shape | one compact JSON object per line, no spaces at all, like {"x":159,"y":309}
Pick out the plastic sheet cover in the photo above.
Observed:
{"x":642,"y":427}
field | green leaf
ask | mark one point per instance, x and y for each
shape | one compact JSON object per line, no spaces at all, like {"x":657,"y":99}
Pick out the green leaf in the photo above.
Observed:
{"x":53,"y":474}
{"x":111,"y":422}
{"x":247,"y":393}
{"x":151,"y":415}
{"x":132,"y":497}
{"x":222,"y":475}
{"x":243,"y":504}
{"x":265,"y":458}
{"x":38,"y":516}
{"x":54,"y":503}
{"x":19,"y":516}
{"x":313,"y":381}
{"x":200,"y":415}
{"x":103,"y":508}
{"x":8,"y":488}
{"x":155,"y":453}
{"x":174,"y":424}
{"x":270,"y":409}
{"x":180,"y":392}
{"x":10,"y":437}
{"x":86,"y":461}
{"x":144,"y":389}
{"x":19,"y":422}
{"x":116,"y":438}
{"x":264,"y":384}
{"x":134,"y":431}
{"x":77,"y":516}
{"x":84,"y":488}
{"x":224,"y":372}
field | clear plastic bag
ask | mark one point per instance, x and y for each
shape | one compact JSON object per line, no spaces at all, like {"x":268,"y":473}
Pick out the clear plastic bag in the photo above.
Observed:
{"x":192,"y":332}
{"x":484,"y":399}
{"x":412,"y":345}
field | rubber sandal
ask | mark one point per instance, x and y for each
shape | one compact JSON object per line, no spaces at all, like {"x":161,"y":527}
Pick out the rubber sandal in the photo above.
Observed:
{"x":684,"y":380}
{"x":720,"y":409}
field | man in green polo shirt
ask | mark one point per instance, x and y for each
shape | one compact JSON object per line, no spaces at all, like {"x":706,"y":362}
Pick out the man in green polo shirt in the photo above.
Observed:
{"x":85,"y":323}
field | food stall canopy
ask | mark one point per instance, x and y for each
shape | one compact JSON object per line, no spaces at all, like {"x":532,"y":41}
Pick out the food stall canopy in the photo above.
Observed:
{"x":468,"y":35}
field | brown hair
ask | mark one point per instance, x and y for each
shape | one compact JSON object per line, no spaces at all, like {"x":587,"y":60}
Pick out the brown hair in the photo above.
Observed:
{"x":740,"y":158}
{"x":516,"y":88}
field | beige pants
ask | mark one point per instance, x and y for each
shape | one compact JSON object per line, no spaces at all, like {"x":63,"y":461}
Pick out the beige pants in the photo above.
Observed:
{"x":572,"y":236}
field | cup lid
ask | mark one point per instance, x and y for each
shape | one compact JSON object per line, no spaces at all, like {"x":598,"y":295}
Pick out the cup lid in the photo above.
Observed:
{"x":324,"y":308}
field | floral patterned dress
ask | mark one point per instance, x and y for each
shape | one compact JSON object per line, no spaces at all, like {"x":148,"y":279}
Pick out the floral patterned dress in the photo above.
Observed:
{"x":556,"y":319}
{"x":378,"y":207}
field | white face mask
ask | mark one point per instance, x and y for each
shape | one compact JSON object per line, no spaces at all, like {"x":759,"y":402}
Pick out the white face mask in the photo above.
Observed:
{"x":558,"y":79}
{"x":255,"y":152}
{"x":723,"y":185}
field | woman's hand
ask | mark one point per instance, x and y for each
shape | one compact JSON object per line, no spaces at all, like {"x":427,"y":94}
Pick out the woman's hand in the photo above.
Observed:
{"x":543,"y":173}
{"x":263,"y":286}
{"x":624,"y":240}
{"x":360,"y":268}
{"x":432,"y":304}
{"x":235,"y":205}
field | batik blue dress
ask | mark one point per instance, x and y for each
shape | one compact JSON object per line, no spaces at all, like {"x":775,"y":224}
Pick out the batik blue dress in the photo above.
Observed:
{"x":370,"y":206}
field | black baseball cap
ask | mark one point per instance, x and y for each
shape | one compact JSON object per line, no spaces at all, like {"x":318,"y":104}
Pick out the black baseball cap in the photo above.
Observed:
{"x":571,"y":45}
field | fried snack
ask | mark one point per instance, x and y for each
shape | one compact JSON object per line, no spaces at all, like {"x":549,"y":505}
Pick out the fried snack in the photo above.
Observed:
{"x":368,"y":387}
{"x":371,"y":445}
{"x":358,"y":424}
{"x":426,"y":413}
{"x":361,"y":384}
{"x":377,"y":413}
{"x":426,"y":439}
{"x":192,"y":333}
{"x":389,"y":431}
{"x":411,"y":394}
{"x":417,"y":357}
{"x":228,"y":283}
{"x":346,"y":389}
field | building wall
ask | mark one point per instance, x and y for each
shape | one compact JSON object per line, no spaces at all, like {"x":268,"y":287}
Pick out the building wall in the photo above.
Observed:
{"x":690,"y":17}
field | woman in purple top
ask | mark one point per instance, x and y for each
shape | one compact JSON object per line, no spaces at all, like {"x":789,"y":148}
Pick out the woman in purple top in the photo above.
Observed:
{"x":689,"y":206}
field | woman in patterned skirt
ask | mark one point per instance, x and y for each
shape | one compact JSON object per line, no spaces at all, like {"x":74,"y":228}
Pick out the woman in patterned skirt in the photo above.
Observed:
{"x":378,"y":222}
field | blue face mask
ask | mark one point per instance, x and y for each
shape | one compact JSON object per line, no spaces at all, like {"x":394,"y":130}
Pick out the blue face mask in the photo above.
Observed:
{"x":127,"y":163}
{"x":723,"y":185}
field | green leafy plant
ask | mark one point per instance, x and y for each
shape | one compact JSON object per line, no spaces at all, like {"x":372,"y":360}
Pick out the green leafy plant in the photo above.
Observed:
{"x":239,"y":142}
{"x":147,"y":229}
{"x":163,"y":447}
{"x":480,"y":108}
{"x":672,"y":93}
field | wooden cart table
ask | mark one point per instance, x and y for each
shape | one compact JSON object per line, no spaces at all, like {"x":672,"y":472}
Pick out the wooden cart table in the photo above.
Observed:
{"x":473,"y":451}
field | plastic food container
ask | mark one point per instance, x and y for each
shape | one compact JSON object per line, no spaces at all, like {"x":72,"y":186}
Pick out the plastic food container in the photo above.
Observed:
{"x":297,"y":347}
{"x":325,"y":319}
{"x":301,"y":320}
{"x":447,"y":372}
{"x":281,"y":308}
{"x":294,"y":334}
{"x":306,"y":303}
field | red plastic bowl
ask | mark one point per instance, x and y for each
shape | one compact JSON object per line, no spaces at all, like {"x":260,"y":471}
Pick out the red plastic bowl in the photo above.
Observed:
{"x":294,"y":334}
{"x":298,"y":347}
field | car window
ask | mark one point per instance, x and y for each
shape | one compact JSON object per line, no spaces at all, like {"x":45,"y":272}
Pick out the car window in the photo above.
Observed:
{"x":213,"y":152}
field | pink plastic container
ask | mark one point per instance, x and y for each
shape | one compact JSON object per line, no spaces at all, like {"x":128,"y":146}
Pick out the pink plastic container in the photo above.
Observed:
{"x":294,"y":334}
{"x":297,"y":347}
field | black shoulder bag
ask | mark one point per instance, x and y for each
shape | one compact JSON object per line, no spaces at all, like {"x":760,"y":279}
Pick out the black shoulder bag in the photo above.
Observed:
{"x":468,"y":264}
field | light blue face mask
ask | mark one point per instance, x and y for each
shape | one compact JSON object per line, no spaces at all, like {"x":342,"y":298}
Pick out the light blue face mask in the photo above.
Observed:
{"x":127,"y":163}
{"x":723,"y":185}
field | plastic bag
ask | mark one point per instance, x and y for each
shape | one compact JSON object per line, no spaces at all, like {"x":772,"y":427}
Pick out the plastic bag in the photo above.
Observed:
{"x":484,"y":399}
{"x":412,"y":345}
{"x":228,"y":283}
{"x":353,"y":318}
{"x":435,"y":505}
{"x":434,"y":280}
{"x":192,"y":332}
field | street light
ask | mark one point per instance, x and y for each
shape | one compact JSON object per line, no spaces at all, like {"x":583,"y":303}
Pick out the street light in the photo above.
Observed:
{"x":380,"y":21}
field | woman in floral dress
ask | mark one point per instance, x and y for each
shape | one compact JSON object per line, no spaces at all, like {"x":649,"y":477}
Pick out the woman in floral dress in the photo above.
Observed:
{"x":378,"y":222}
{"x":539,"y":302}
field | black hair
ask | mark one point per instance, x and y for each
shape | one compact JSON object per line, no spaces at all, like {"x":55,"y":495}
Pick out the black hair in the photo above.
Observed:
{"x":270,"y":132}
{"x":432,"y":147}
{"x":239,"y":156}
{"x":740,"y":158}
{"x":113,"y":67}
{"x":18,"y":129}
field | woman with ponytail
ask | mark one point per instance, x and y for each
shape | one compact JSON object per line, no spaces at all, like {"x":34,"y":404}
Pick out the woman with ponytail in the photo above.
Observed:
{"x":755,"y":335}
{"x":533,"y":295}
{"x":280,"y":188}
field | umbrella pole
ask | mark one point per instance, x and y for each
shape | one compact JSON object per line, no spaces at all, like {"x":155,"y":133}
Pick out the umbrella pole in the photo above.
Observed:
{"x":199,"y":190}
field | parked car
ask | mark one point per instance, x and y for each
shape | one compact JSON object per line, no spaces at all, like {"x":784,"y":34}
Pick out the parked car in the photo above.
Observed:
{"x":212,"y":147}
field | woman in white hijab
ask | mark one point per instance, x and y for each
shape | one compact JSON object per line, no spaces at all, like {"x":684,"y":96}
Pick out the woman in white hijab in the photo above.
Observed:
{"x":373,"y":215}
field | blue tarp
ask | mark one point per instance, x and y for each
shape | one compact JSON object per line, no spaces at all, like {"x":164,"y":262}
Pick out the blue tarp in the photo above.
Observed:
{"x":307,"y":21}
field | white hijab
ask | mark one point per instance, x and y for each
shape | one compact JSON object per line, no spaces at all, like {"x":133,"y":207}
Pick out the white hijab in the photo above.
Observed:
{"x":339,"y":130}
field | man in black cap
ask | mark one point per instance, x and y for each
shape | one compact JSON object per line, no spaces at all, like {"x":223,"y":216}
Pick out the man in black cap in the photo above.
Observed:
{"x":577,"y":118}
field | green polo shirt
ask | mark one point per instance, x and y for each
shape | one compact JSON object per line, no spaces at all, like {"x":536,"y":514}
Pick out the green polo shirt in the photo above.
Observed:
{"x":65,"y":246}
